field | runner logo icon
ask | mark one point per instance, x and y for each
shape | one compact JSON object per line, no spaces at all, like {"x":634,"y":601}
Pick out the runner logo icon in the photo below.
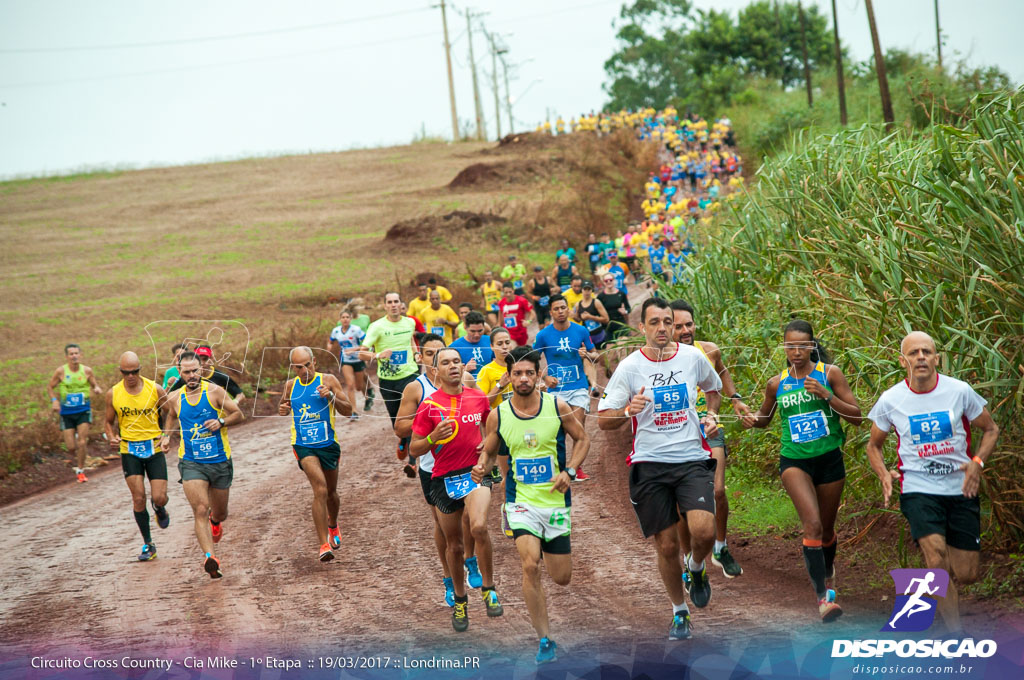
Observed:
{"x":914,"y":608}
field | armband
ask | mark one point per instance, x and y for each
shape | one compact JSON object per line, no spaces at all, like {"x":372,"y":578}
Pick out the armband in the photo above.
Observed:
{"x":429,"y":441}
{"x":979,"y":461}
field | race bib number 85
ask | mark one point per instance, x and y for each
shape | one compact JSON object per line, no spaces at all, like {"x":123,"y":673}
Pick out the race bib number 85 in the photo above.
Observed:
{"x":671,"y":398}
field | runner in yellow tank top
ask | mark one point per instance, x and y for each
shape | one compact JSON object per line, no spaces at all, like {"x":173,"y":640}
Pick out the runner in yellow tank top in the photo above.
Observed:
{"x":132,"y":425}
{"x":69,"y":397}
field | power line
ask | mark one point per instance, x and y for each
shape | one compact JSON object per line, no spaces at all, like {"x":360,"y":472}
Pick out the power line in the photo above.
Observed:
{"x":210,"y":38}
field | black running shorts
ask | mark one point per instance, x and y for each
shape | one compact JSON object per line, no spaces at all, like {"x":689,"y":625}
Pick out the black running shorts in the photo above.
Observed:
{"x":956,"y":517}
{"x":328,"y":455}
{"x":154,"y":467}
{"x":660,"y":491}
{"x":560,"y":545}
{"x":71,"y":421}
{"x":442,"y":501}
{"x":425,"y":485}
{"x":823,"y":469}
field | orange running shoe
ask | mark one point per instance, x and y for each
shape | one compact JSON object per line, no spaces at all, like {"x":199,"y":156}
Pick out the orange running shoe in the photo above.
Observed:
{"x":334,"y":537}
{"x":402,"y":453}
{"x":81,"y":476}
{"x":325,"y":553}
{"x":217,"y":531}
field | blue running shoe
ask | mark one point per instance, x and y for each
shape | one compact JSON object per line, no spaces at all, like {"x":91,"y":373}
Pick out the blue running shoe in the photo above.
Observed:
{"x":680,"y":628}
{"x":163,"y":518}
{"x":148,"y":552}
{"x":473,"y":577}
{"x":546,"y":651}
{"x":449,"y":592}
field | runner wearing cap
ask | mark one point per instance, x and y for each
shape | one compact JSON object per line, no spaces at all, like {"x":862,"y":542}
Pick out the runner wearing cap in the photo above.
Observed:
{"x":671,"y":469}
{"x":938,"y":472}
{"x":312,"y":398}
{"x":132,"y":426}
{"x":210,"y":374}
{"x":448,"y":424}
{"x":72,"y":381}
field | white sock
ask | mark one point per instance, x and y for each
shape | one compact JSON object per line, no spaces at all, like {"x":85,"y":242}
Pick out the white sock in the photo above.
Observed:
{"x":680,"y":609}
{"x":719,"y":545}
{"x":77,"y":470}
{"x":694,"y":567}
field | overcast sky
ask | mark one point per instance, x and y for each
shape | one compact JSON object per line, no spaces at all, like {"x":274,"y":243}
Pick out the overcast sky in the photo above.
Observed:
{"x":171,"y":83}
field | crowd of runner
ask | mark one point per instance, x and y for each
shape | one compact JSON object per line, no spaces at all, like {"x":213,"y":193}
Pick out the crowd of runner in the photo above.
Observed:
{"x":499,"y":391}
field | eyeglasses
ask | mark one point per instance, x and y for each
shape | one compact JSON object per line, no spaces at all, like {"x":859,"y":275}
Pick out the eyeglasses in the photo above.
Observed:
{"x":135,"y":372}
{"x":609,"y":280}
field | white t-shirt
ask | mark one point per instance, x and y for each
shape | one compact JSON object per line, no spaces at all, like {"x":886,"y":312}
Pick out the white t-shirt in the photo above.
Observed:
{"x":934,"y":433}
{"x":668,"y":430}
{"x":349,"y":341}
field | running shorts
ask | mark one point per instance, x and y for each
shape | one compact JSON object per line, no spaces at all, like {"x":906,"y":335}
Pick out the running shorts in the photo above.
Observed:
{"x":71,"y":421}
{"x":718,"y":441}
{"x":823,"y":469}
{"x":425,"y":479}
{"x":956,"y":517}
{"x":660,"y":491}
{"x":329,"y":455}
{"x":547,"y":524}
{"x":357,"y":366}
{"x":219,"y":475}
{"x":154,"y":467}
{"x":576,"y":398}
{"x":391,"y":393}
{"x":444,"y":502}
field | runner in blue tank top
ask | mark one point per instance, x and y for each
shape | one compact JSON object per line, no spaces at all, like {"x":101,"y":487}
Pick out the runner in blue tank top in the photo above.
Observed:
{"x":312,"y":399}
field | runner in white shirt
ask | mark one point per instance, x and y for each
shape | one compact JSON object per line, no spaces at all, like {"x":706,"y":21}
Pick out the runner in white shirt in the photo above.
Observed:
{"x":671,"y":468}
{"x":939,"y":477}
{"x":344,"y":343}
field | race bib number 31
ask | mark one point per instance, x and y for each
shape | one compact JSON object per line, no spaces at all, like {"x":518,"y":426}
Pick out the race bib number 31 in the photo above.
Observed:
{"x":670,"y":398}
{"x":928,"y":428}
{"x":806,"y":427}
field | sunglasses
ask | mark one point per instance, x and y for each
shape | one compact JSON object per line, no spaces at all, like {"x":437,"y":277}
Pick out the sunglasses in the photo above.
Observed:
{"x":135,"y":372}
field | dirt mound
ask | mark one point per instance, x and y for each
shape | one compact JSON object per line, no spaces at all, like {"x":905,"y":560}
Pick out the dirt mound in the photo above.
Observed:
{"x":431,"y":225}
{"x":527,"y":139}
{"x":480,"y":175}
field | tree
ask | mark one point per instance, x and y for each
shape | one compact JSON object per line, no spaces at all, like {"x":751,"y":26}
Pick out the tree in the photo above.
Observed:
{"x":769,"y":35}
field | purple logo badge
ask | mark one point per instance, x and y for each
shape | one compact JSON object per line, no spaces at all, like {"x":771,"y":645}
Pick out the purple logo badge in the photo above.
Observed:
{"x":914,"y":608}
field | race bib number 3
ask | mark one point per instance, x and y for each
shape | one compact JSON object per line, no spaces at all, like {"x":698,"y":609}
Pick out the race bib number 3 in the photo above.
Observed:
{"x":670,"y":398}
{"x":141,"y":449}
{"x":928,"y":428}
{"x":312,"y":433}
{"x":535,"y":470}
{"x":806,"y":427}
{"x":459,"y":486}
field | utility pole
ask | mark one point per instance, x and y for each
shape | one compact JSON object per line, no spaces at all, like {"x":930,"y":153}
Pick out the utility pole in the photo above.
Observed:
{"x":938,"y":34}
{"x":476,"y":87}
{"x":883,"y":82}
{"x":803,"y":46}
{"x":839,"y":67}
{"x":451,"y":81}
{"x":494,"y":82}
{"x":508,"y":98}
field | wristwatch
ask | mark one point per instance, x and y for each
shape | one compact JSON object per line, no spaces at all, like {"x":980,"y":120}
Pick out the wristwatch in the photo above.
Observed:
{"x":221,"y":421}
{"x":571,"y":472}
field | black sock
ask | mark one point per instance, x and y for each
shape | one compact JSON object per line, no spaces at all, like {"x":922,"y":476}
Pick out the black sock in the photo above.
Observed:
{"x":464,"y":598}
{"x":484,"y":589}
{"x":332,"y":526}
{"x":830,"y":555}
{"x":814,"y":558}
{"x":142,"y":519}
{"x":216,"y":524}
{"x":158,"y":508}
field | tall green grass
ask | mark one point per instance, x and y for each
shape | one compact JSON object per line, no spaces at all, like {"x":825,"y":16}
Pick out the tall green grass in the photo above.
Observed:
{"x":869,"y":236}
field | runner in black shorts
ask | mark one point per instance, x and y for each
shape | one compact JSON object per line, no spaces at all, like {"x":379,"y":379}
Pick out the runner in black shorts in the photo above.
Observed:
{"x":938,"y":472}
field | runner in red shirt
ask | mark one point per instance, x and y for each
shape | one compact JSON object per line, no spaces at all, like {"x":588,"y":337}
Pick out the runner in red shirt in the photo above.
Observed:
{"x":449,"y":424}
{"x":516,"y":312}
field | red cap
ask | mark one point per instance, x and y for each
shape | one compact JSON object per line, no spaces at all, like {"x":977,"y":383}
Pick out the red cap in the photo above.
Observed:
{"x":204,"y":352}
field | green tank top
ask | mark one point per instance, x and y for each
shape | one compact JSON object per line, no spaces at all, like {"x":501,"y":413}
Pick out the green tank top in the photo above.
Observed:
{"x":536,"y":449}
{"x":73,"y":391}
{"x":810,"y":427}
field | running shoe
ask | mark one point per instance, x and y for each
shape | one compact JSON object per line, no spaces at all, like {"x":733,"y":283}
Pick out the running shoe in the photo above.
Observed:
{"x":81,"y":476}
{"x":217,"y":531}
{"x":460,"y":616}
{"x":504,"y":523}
{"x":494,"y":607}
{"x":680,"y":628}
{"x":368,"y":402}
{"x":354,"y":417}
{"x":473,"y":577}
{"x":212,"y":566}
{"x":828,"y":608}
{"x":325,"y":553}
{"x":410,"y":470}
{"x":334,"y":537}
{"x":686,"y":580}
{"x":581,"y":476}
{"x":698,"y":587}
{"x":546,"y":651}
{"x":402,"y":453}
{"x":496,"y":475}
{"x":148,"y":552}
{"x":730,"y":567}
{"x":449,"y":591}
{"x":163,"y":519}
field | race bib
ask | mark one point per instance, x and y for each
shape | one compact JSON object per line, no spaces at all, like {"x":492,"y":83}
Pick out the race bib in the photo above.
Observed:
{"x":592,"y":325}
{"x":399,"y":358}
{"x":535,"y":470}
{"x":437,"y":330}
{"x":806,"y":427}
{"x":517,"y":284}
{"x":565,"y":374}
{"x":511,"y":322}
{"x":459,"y":486}
{"x":543,"y":302}
{"x":565,"y":287}
{"x":928,"y":428}
{"x":74,"y":399}
{"x":204,"y":448}
{"x":311,"y":434}
{"x":670,"y":398}
{"x":142,"y":449}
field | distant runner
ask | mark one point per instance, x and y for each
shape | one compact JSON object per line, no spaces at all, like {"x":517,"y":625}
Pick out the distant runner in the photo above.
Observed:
{"x":475,"y":347}
{"x":516,"y":312}
{"x":69,"y":390}
{"x":344,"y":343}
{"x":210,"y":373}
